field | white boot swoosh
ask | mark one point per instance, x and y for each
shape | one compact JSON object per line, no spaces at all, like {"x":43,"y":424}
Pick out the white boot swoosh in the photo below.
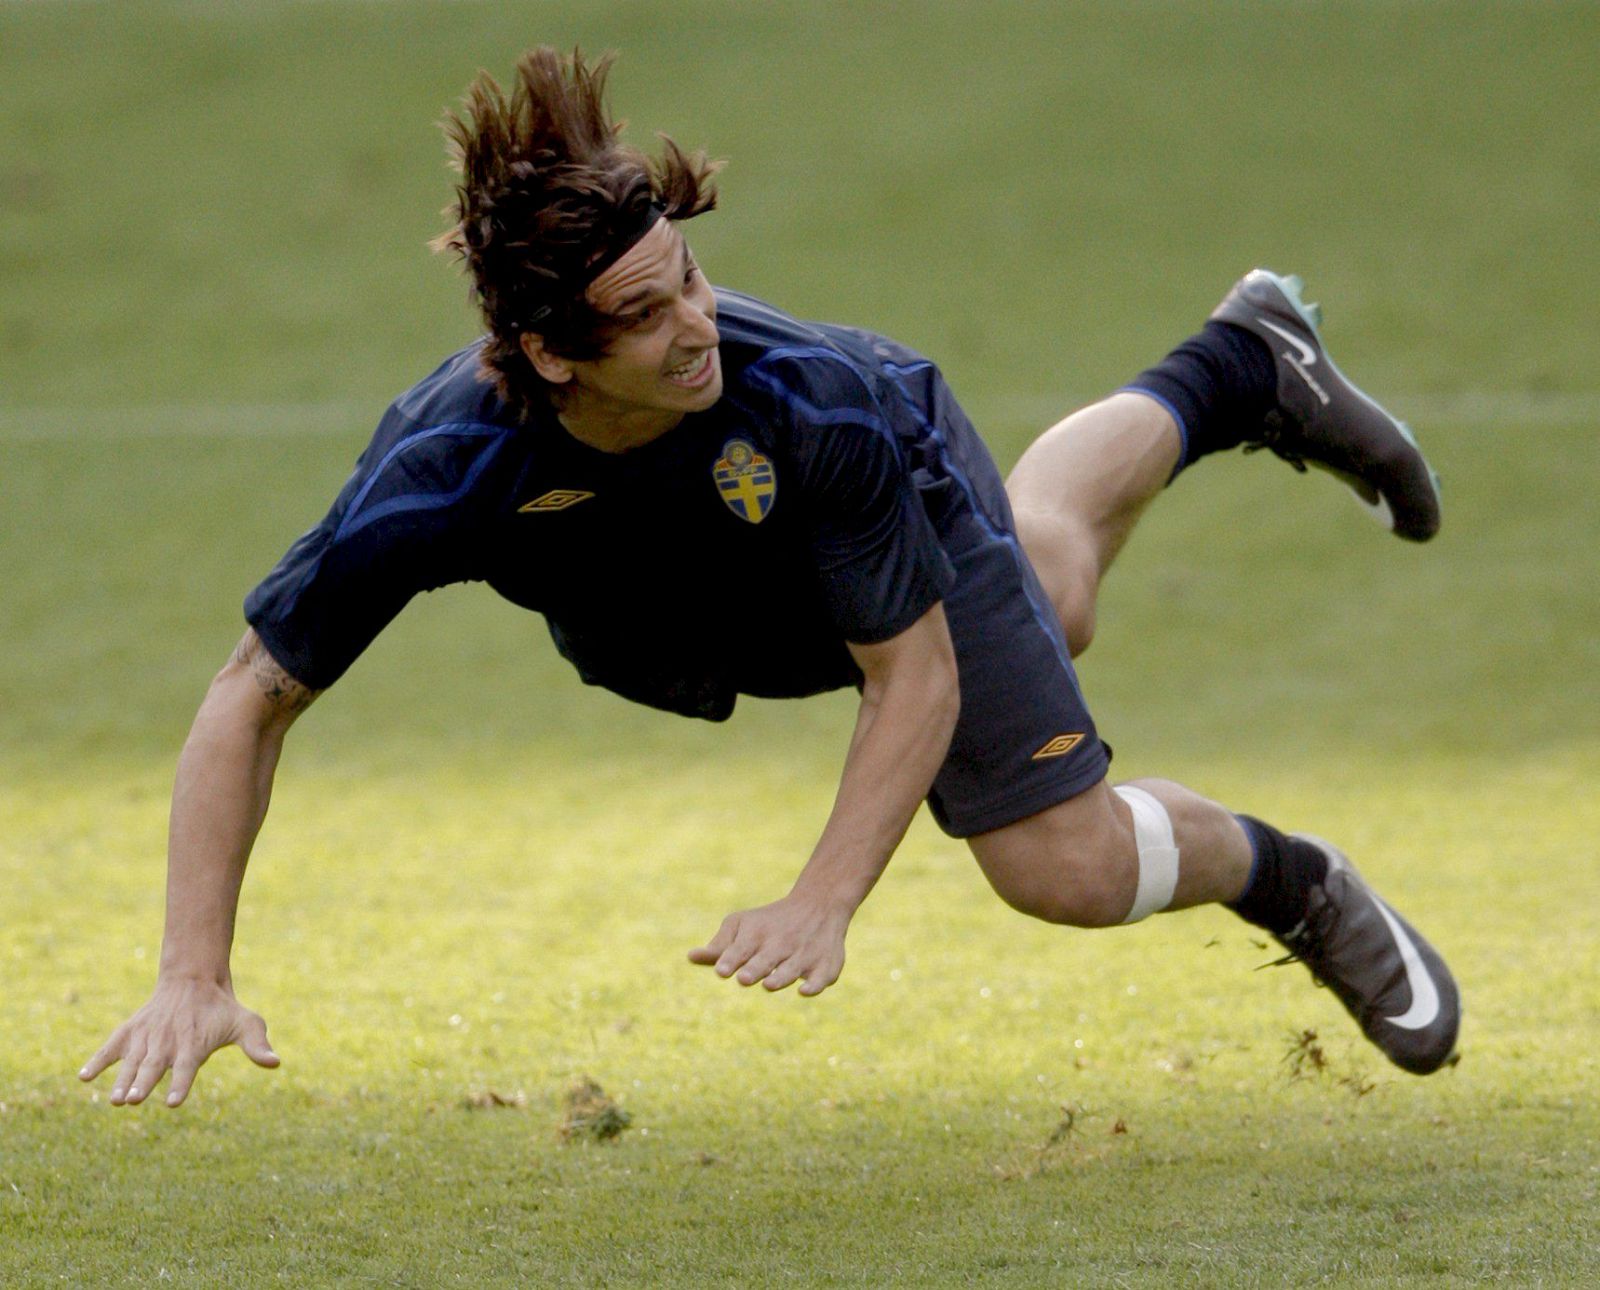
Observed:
{"x":1424,"y":993}
{"x":1308,"y":356}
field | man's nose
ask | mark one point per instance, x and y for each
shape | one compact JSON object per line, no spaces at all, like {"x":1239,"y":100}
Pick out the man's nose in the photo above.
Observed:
{"x":697,"y":328}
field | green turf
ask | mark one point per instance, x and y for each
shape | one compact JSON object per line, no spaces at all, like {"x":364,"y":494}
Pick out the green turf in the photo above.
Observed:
{"x":481,"y":877}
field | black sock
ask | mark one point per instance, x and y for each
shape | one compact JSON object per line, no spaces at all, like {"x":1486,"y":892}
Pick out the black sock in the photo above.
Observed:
{"x":1281,"y":878}
{"x":1219,"y":385}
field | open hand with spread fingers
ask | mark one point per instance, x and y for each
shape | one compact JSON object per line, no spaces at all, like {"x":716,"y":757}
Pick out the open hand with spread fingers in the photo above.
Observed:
{"x":185,"y":1021}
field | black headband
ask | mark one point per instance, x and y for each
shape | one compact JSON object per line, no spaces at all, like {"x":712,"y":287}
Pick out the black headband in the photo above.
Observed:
{"x":625,"y":235}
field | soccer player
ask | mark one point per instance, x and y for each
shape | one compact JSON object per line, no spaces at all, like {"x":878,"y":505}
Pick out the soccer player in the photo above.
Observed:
{"x":627,"y":440}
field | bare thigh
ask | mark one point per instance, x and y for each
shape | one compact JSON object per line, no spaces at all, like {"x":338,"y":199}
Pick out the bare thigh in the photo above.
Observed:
{"x":1075,"y":862}
{"x":1078,"y":491}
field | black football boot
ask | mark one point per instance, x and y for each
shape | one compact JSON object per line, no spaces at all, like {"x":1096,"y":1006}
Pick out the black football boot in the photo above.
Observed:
{"x":1322,"y":420}
{"x":1393,"y":982}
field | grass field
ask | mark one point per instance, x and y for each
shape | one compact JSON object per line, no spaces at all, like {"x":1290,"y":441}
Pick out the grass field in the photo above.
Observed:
{"x":479,"y":878}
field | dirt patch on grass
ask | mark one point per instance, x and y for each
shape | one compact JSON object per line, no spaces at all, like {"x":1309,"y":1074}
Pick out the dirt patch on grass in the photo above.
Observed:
{"x":489,"y":1099}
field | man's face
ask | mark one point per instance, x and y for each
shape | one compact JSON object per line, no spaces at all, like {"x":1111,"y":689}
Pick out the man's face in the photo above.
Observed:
{"x":663,"y":361}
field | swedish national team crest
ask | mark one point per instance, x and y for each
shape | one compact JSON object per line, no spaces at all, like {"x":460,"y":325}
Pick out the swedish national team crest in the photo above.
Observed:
{"x":746,"y":480}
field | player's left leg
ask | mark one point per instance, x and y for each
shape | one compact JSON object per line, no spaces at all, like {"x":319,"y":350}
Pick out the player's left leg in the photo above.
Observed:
{"x":1257,"y":374}
{"x":1078,"y":491}
{"x":1116,"y":855}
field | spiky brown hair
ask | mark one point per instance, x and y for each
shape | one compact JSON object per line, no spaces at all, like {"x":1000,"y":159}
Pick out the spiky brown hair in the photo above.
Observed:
{"x":547,"y":191}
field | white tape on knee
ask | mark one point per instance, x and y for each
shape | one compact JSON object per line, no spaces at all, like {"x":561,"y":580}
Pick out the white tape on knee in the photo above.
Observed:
{"x":1158,"y":853}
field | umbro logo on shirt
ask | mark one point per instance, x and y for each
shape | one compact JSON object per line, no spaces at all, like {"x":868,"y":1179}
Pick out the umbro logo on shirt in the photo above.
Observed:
{"x":557,"y":499}
{"x":1058,"y":746}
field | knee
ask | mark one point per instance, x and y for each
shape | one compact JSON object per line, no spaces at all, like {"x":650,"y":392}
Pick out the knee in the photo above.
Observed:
{"x":1077,"y":619}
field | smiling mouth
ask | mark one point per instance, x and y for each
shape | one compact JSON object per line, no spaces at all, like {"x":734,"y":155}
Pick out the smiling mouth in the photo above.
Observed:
{"x":696,"y":371}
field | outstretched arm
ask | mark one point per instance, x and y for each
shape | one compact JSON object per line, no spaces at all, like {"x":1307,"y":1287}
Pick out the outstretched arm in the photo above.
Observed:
{"x":220,"y":798}
{"x":909,"y":704}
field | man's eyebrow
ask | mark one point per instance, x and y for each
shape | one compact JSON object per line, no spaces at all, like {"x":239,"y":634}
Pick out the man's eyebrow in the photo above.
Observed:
{"x":633,"y":298}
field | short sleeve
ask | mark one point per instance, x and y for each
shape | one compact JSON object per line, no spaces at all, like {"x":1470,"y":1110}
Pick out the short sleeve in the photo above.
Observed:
{"x":876,"y":552}
{"x":328,"y":599}
{"x":392,"y":532}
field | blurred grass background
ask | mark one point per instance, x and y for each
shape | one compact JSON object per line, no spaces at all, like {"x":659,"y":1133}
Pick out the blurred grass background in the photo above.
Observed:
{"x":479,"y":875}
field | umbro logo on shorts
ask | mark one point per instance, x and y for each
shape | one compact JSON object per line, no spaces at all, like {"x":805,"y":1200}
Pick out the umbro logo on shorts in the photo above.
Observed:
{"x":1057,"y":746}
{"x":557,"y":499}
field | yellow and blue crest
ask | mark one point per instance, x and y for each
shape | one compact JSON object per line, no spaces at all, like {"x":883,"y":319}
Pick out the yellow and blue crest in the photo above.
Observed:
{"x":746,"y":481}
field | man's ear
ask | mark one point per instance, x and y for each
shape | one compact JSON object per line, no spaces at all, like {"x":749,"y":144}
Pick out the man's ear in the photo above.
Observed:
{"x":552,"y":367}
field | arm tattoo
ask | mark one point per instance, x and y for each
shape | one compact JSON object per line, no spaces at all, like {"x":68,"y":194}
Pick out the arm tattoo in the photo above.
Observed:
{"x":283,"y":692}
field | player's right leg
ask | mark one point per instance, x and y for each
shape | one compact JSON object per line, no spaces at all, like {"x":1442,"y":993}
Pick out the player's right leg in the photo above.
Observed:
{"x":1024,"y":782}
{"x":1116,"y":855}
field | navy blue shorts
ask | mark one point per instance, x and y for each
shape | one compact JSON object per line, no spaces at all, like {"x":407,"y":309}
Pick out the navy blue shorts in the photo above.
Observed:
{"x":1024,"y":740}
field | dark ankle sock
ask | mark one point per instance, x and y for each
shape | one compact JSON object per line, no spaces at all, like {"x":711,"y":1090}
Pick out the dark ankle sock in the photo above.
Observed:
{"x":1218,"y":385}
{"x":1281,"y":878}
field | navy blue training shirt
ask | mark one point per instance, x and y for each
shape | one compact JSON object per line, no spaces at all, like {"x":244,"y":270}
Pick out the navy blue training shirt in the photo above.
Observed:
{"x":734,"y":555}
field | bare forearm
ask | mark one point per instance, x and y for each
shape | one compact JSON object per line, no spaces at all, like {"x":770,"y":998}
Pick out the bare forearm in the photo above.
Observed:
{"x":219,"y":801}
{"x":909,"y":703}
{"x":902,"y":736}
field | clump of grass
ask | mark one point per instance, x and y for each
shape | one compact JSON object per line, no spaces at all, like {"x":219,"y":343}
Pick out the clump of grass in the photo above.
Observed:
{"x":1358,"y":1083}
{"x":1064,"y":1128}
{"x":1305,"y":1057}
{"x":591,"y":1114}
{"x":1065,"y":1144}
